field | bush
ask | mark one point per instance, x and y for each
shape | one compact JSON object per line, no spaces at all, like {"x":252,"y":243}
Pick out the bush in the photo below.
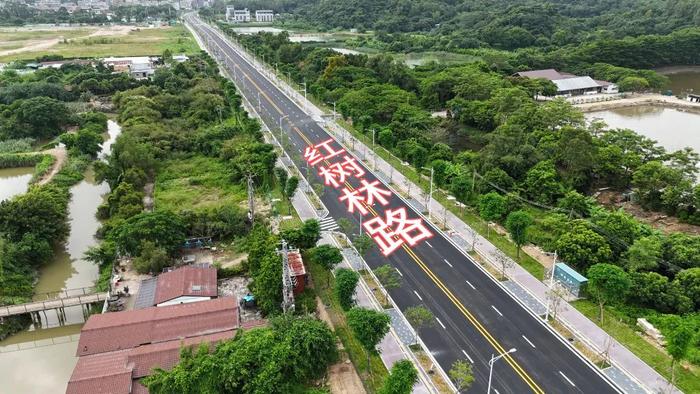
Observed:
{"x":152,"y":258}
{"x":345,"y":283}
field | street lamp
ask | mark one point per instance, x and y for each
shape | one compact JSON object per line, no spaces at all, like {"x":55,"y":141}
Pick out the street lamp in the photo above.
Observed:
{"x":430,"y":196}
{"x":492,"y":361}
{"x":281,"y":133}
{"x":551,"y":284}
{"x":374,"y":150}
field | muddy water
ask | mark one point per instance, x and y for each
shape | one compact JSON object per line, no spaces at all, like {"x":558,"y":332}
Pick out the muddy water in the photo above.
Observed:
{"x":41,"y":359}
{"x":671,"y":128}
{"x":14,"y":181}
{"x":682,"y":79}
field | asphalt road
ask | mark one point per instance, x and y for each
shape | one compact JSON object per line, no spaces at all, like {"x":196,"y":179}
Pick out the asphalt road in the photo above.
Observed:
{"x":475,"y":316}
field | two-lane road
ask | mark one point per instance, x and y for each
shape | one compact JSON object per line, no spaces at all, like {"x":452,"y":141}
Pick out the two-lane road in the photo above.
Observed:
{"x":475,"y":317}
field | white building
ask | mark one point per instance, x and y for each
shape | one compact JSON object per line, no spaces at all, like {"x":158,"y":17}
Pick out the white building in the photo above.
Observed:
{"x":264,"y":16}
{"x":237,"y":16}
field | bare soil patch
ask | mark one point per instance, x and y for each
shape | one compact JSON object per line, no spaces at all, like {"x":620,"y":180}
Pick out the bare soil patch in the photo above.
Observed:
{"x":60,"y":154}
{"x":657,"y":220}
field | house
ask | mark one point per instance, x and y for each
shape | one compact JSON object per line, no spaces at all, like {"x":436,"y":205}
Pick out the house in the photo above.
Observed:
{"x":297,"y":271}
{"x":117,"y":349}
{"x":122,"y":64}
{"x":183,"y":285}
{"x":237,"y":16}
{"x":264,"y":16}
{"x":141,"y":70}
{"x":570,"y":84}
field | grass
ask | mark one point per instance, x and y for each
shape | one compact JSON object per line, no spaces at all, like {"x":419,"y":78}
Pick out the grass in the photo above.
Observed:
{"x":196,"y":182}
{"x":138,"y":42}
{"x":356,"y":352}
{"x":615,"y":324}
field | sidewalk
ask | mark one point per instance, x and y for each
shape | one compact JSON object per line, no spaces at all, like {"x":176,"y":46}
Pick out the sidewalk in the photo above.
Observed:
{"x":595,"y":337}
{"x":645,"y":377}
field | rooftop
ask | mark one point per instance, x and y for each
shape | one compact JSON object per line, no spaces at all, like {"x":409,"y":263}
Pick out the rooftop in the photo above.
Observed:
{"x":124,"y":330}
{"x":191,"y":280}
{"x":575,"y":83}
{"x":549,"y":73}
{"x":296,"y":265}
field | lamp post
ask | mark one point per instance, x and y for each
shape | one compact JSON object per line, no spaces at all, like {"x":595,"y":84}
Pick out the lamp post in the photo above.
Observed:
{"x":430,"y":196}
{"x":492,"y":361}
{"x":551,"y":285}
{"x":281,"y":133}
{"x":374,"y":151}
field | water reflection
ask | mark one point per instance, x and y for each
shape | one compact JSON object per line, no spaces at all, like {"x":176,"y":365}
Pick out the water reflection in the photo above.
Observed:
{"x":14,"y":181}
{"x":671,"y":128}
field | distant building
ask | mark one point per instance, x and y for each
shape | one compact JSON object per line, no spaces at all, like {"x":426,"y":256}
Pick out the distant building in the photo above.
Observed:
{"x":264,"y":16}
{"x":117,"y":349}
{"x":237,"y":16}
{"x":180,"y":58}
{"x":183,"y":285}
{"x":297,"y":271}
{"x":141,"y":70}
{"x":570,"y":84}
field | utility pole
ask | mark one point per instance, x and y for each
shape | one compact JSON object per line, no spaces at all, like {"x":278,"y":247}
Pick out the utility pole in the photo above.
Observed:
{"x":430,"y":196}
{"x":374,"y":150}
{"x":251,"y":199}
{"x":287,"y":283}
{"x":551,"y":286}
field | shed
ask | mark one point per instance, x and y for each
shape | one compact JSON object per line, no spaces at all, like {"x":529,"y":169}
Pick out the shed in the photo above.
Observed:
{"x":574,"y":282}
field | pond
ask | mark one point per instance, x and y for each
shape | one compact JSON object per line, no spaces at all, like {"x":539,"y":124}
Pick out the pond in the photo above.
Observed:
{"x":682,"y":79}
{"x":256,"y":29}
{"x":671,"y":128}
{"x":14,"y":181}
{"x":346,"y":51}
{"x":41,"y":359}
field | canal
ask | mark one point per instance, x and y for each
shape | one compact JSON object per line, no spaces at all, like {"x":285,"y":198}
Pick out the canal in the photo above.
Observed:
{"x":41,"y":359}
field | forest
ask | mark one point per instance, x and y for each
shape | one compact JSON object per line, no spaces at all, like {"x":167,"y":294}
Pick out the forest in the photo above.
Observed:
{"x":512,"y":159}
{"x":14,"y":13}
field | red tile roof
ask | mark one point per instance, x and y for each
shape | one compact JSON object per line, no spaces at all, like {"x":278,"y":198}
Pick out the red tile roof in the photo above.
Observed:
{"x":113,"y":372}
{"x":186,"y":281}
{"x":296,"y":265}
{"x":123,"y":330}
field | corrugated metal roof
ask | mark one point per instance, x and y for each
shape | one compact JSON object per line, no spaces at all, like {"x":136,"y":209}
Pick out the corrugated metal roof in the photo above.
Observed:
{"x":123,"y":330}
{"x":191,"y":280}
{"x":564,"y":85}
{"x":147,"y":294}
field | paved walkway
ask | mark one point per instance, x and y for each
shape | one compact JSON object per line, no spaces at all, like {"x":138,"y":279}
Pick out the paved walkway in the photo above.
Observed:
{"x":623,"y":359}
{"x":522,"y":282}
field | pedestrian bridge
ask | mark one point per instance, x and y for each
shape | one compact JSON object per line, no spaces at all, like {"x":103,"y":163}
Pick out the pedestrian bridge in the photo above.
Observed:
{"x":55,"y":300}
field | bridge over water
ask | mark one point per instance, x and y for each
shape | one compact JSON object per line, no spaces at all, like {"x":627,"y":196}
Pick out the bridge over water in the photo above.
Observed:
{"x":58,"y":301}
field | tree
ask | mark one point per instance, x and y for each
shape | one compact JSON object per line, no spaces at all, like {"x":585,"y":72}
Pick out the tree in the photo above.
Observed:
{"x":303,"y":237}
{"x":402,"y":377}
{"x":643,"y":255}
{"x":163,"y":228}
{"x":388,"y":277}
{"x":576,"y":203}
{"x":517,"y":224}
{"x":689,"y":282}
{"x":362,"y":243}
{"x":345,"y":283}
{"x":582,"y":247}
{"x":267,"y":283}
{"x":369,"y":328}
{"x":542,"y":183}
{"x":492,"y":207}
{"x":678,"y":344}
{"x":290,"y":188}
{"x":346,"y":225}
{"x":151,"y":259}
{"x":419,"y":317}
{"x":607,"y":284}
{"x":461,"y":374}
{"x":327,"y":257}
{"x":503,"y":261}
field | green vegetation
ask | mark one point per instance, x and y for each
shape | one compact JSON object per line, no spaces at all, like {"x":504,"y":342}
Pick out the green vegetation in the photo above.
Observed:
{"x":138,"y":42}
{"x":344,"y":289}
{"x":19,"y":13}
{"x":461,"y":374}
{"x":402,"y":377}
{"x":294,"y":351}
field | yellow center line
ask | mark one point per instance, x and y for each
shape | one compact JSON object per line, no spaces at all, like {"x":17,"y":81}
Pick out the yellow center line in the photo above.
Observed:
{"x":470,"y":317}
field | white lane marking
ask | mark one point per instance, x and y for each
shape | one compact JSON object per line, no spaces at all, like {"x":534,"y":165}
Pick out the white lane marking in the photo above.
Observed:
{"x":443,"y":326}
{"x":428,"y":243}
{"x":397,"y":270}
{"x":467,"y":356}
{"x":567,"y":379}
{"x":497,"y":311}
{"x":471,"y":285}
{"x":448,"y":263}
{"x":528,"y":341}
{"x":417,"y":295}
{"x":496,"y":391}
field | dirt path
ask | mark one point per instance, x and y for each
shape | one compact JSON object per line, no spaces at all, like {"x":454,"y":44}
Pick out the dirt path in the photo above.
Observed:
{"x":342,"y":376}
{"x":60,"y":154}
{"x":641,"y":99}
{"x":32,"y":46}
{"x":39,"y":45}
